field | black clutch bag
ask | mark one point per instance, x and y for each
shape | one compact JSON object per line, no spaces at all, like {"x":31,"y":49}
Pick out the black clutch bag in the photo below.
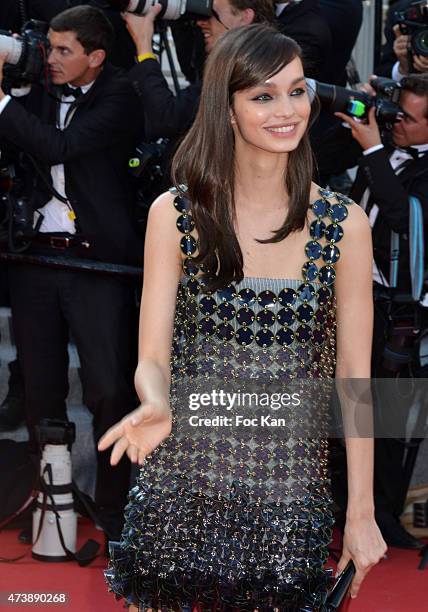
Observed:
{"x":337,"y":594}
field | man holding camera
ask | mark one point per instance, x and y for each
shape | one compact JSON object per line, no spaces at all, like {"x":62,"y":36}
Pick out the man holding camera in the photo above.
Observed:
{"x":76,"y":135}
{"x":387,"y":177}
{"x":399,"y":57}
{"x":166,"y":115}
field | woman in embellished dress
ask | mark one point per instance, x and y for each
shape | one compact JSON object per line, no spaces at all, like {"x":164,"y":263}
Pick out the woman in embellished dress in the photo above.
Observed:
{"x":252,"y":275}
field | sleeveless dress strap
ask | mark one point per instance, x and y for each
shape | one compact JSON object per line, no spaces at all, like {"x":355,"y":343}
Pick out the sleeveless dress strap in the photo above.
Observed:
{"x":330,"y":210}
{"x":186,"y":225}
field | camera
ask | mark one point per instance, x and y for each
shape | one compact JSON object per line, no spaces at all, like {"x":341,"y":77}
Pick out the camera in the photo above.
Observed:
{"x":6,"y":183}
{"x":171,"y":9}
{"x":26,"y":54}
{"x":358,"y":103}
{"x":16,"y":208}
{"x":147,"y":167}
{"x":54,"y":519}
{"x":414,"y":22}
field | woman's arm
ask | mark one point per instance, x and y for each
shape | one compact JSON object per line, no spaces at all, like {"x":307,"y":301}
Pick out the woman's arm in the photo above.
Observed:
{"x":363,"y":542}
{"x":141,"y":431}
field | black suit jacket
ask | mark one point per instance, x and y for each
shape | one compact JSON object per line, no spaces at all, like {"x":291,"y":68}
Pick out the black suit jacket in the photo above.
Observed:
{"x":10,"y":18}
{"x":165,"y":115}
{"x":391,"y":193}
{"x":95,"y":149}
{"x":344,"y":18}
{"x":305,"y":23}
{"x":388,"y":57}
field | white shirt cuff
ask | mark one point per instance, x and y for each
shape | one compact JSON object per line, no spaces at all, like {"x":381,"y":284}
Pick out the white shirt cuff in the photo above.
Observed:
{"x":373,"y":149}
{"x":4,"y":103}
{"x":396,"y":74}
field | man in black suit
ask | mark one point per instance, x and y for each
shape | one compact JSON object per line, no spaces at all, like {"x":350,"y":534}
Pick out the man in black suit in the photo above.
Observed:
{"x":13,"y":16}
{"x":394,"y":58}
{"x":166,"y":115}
{"x":304,"y":21}
{"x":385,"y":180}
{"x":79,"y":136}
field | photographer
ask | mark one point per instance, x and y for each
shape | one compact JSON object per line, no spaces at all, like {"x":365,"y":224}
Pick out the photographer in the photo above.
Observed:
{"x":401,"y":48}
{"x":76,"y":136}
{"x":166,"y":115}
{"x":398,"y":48}
{"x":388,"y":175}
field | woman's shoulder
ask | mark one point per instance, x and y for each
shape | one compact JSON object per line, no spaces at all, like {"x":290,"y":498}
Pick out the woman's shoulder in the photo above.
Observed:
{"x":163,"y":214}
{"x":357,"y":222}
{"x":167,"y":206}
{"x":341,"y":209}
{"x":164,"y":203}
{"x":356,"y":241}
{"x":170,"y":223}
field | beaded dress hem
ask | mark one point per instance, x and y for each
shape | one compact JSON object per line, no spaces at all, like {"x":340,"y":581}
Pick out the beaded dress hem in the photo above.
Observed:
{"x":223,"y":554}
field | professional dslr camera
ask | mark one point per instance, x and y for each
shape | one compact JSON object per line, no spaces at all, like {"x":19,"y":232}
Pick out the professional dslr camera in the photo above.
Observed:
{"x":16,"y":211}
{"x":414,"y":22}
{"x":358,"y":103}
{"x":26,"y":54}
{"x":171,"y":9}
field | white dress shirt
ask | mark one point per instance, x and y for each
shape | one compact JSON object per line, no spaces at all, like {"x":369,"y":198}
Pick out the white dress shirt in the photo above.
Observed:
{"x":396,"y":74}
{"x":56,"y":215}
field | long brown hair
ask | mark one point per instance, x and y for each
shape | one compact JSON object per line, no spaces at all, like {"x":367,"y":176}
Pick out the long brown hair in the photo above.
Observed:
{"x":204,"y":162}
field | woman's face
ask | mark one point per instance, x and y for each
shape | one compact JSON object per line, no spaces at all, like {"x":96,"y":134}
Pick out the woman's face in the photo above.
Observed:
{"x":273,"y":116}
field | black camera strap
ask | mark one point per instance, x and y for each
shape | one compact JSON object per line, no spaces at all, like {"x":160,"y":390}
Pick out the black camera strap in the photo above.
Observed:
{"x":89,"y":550}
{"x":23,"y":11}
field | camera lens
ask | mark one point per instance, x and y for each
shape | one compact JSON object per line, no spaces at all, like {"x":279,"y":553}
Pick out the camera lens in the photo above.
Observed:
{"x":420,"y":43}
{"x":13,"y":48}
{"x":171,"y":9}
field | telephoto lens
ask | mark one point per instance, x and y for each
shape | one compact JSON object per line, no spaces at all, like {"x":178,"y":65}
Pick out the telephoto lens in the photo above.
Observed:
{"x":25,"y":55}
{"x":171,"y":9}
{"x":54,"y":519}
{"x":13,"y":47}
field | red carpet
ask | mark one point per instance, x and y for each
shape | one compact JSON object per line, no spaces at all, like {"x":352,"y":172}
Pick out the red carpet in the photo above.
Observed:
{"x":395,"y":585}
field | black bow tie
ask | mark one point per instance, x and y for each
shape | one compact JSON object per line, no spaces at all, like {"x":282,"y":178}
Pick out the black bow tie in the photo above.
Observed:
{"x":68,"y":91}
{"x":411,"y":151}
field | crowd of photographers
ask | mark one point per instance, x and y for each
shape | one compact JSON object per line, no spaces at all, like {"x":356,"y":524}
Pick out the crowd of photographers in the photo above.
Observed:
{"x":69,"y":197}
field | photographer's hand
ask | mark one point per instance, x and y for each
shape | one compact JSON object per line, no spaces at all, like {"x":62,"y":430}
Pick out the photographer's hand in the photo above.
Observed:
{"x":367,"y":88}
{"x":401,"y":49}
{"x":420,"y":63}
{"x":366,"y":134}
{"x":141,"y":28}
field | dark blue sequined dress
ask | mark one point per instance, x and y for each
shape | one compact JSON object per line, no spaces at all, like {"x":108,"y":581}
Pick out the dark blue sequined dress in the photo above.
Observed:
{"x":222,"y":523}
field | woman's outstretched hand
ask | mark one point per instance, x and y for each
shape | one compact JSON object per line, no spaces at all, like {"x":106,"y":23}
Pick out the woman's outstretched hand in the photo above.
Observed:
{"x":138,"y":434}
{"x":364,"y":544}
